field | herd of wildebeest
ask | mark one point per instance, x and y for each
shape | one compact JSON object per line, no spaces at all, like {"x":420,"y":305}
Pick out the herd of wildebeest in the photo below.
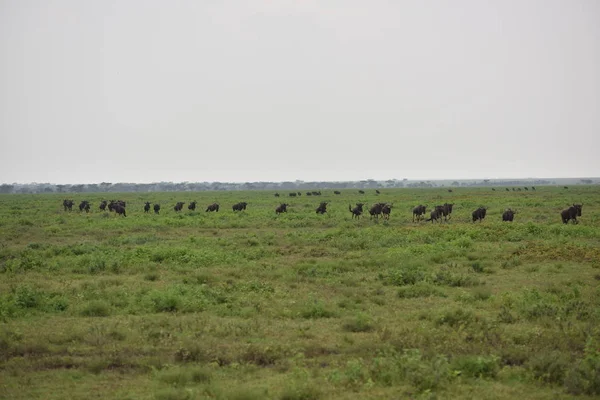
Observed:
{"x":377,"y":210}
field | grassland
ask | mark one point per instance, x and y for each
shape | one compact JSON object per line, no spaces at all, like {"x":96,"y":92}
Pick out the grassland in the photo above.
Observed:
{"x":298,"y":306}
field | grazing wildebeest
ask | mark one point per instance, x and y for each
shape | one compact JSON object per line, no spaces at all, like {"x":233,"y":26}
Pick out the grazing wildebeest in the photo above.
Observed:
{"x":316,"y":193}
{"x":147,"y":207}
{"x":356,"y":211}
{"x":508,"y":215}
{"x":507,"y":190}
{"x":322,"y":209}
{"x":493,"y":189}
{"x":571,"y":213}
{"x":119,"y":209}
{"x":68,"y":205}
{"x":293,"y":194}
{"x":386,"y":211}
{"x":276,"y":194}
{"x":375,"y":210}
{"x":103,"y":204}
{"x":377,"y":191}
{"x":178,"y":206}
{"x":308,"y":193}
{"x":113,"y":203}
{"x":419,"y":211}
{"x":450,"y":190}
{"x":281,"y":209}
{"x":299,"y":194}
{"x":84,"y":205}
{"x":361,"y":191}
{"x":435,"y":215}
{"x":156,"y":208}
{"x":239,"y":206}
{"x":533,"y":188}
{"x":192,"y":206}
{"x":213,"y":207}
{"x":526,"y":188}
{"x":566,"y":187}
{"x":337,"y":192}
{"x":479,"y":214}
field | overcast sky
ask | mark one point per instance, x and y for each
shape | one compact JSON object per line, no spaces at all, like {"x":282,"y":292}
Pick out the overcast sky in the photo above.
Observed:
{"x":147,"y":91}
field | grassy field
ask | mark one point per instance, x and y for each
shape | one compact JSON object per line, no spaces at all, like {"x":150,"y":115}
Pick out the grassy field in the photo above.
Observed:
{"x":252,"y":305}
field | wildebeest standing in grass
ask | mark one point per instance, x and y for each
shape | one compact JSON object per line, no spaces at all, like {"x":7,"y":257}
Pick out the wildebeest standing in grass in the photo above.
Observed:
{"x":178,"y":206}
{"x":571,"y":213}
{"x":276,"y":194}
{"x":337,"y":192}
{"x":361,"y":191}
{"x":533,"y":188}
{"x":68,"y":205}
{"x":419,"y":211}
{"x":435,"y":215}
{"x":375,"y":210}
{"x":281,"y":209}
{"x":212,"y":207}
{"x":322,"y":209}
{"x":147,"y":207}
{"x":446,"y":210}
{"x":508,"y":190}
{"x":84,"y":205}
{"x":479,"y":214}
{"x":119,"y":209}
{"x":508,"y":215}
{"x":386,"y":210}
{"x":239,"y":206}
{"x":377,"y":191}
{"x":293,"y":194}
{"x":192,"y":206}
{"x":156,"y":208}
{"x":356,"y":211}
{"x":103,"y":204}
{"x":308,"y":193}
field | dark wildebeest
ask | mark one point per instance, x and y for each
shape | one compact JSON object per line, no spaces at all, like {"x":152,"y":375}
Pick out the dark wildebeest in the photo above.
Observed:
{"x":361,"y":191}
{"x":293,"y":194}
{"x":519,"y":189}
{"x":119,"y":209}
{"x":322,"y":209}
{"x":113,"y":203}
{"x":337,"y":192}
{"x":450,"y":190}
{"x":299,"y":194}
{"x":192,"y":206}
{"x":571,"y":213}
{"x":68,"y":205}
{"x":281,"y":209}
{"x":103,"y":204}
{"x":316,"y":193}
{"x":156,"y":208}
{"x":178,"y":206}
{"x":386,"y":210}
{"x":276,"y":194}
{"x":147,"y":207}
{"x":508,"y":215}
{"x":507,"y":190}
{"x":375,"y":210}
{"x":566,"y":187}
{"x":239,"y":206}
{"x":435,"y":215}
{"x":446,"y":210}
{"x":493,"y":189}
{"x":377,"y":191}
{"x":308,"y":193}
{"x":526,"y":188}
{"x":479,"y":214}
{"x":84,"y":205}
{"x":419,"y":211}
{"x":356,"y":211}
{"x":213,"y":207}
{"x":533,"y":188}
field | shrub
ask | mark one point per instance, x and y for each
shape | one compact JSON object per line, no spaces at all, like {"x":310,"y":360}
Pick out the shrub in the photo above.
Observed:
{"x":477,"y":366}
{"x":360,"y":323}
{"x":419,"y":290}
{"x":96,"y":308}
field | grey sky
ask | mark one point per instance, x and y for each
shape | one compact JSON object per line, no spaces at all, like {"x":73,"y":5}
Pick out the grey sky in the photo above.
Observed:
{"x":146,"y":91}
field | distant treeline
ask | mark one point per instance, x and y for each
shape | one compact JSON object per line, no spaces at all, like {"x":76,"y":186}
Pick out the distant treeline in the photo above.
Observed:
{"x":296,"y":185}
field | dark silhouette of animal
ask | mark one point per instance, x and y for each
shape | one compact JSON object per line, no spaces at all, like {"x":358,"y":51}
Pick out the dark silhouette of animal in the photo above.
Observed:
{"x":239,"y":206}
{"x":533,"y":188}
{"x":356,"y":211}
{"x":375,"y":210}
{"x":308,"y":193}
{"x":212,"y":207}
{"x":147,"y":207}
{"x":316,"y":193}
{"x":566,"y":187}
{"x":419,"y":211}
{"x":526,"y":188}
{"x":386,"y":211}
{"x":377,"y":191}
{"x":103,"y":204}
{"x":446,"y":210}
{"x":337,"y":192}
{"x":281,"y":209}
{"x":519,"y":189}
{"x":513,"y":189}
{"x":192,"y":206}
{"x":322,"y":209}
{"x":178,"y":206}
{"x":479,"y":214}
{"x":68,"y":205}
{"x":508,"y":215}
{"x":84,"y":205}
{"x":571,"y":213}
{"x":361,"y":191}
{"x":493,"y":189}
{"x":113,"y":203}
{"x":276,"y":194}
{"x":119,"y":209}
{"x":450,"y":190}
{"x":293,"y":194}
{"x":299,"y":194}
{"x":507,"y":190}
{"x":435,"y":215}
{"x":156,"y":208}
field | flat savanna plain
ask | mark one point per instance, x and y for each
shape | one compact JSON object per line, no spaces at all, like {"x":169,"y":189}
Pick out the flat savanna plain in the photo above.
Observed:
{"x":253,"y":305}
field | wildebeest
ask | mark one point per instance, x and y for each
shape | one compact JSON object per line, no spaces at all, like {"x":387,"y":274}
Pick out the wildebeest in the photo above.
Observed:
{"x":479,"y":214}
{"x":533,"y":188}
{"x":377,"y":191}
{"x":299,"y":194}
{"x":178,"y":206}
{"x":156,"y":208}
{"x":322,"y":209}
{"x":281,"y":209}
{"x":435,"y":214}
{"x":146,"y":206}
{"x":276,"y":195}
{"x":356,"y":211}
{"x":103,"y":204}
{"x":239,"y":206}
{"x":419,"y":211}
{"x":337,"y":192}
{"x":446,"y":210}
{"x":571,"y":213}
{"x":212,"y":207}
{"x":526,"y":188}
{"x":566,"y":187}
{"x":293,"y":194}
{"x":119,"y":209}
{"x":84,"y":205}
{"x":113,"y":203}
{"x":386,"y":211}
{"x":507,"y":190}
{"x":316,"y":193}
{"x":450,"y":190}
{"x":493,"y":189}
{"x":375,"y":210}
{"x":192,"y":206}
{"x":308,"y":193}
{"x":508,"y":215}
{"x":68,"y":205}
{"x":361,"y":191}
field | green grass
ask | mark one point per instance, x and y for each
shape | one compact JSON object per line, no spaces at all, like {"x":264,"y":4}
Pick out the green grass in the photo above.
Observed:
{"x":253,"y":305}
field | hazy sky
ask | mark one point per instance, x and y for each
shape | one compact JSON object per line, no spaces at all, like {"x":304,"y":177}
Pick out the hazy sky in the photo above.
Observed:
{"x":211,"y":90}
